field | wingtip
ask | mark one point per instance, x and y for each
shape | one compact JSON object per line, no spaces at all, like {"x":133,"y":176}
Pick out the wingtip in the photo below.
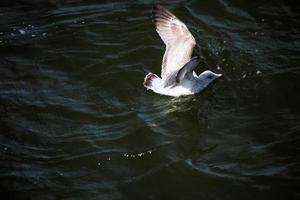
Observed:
{"x":161,"y":14}
{"x":155,"y":7}
{"x":158,"y":7}
{"x":154,"y":11}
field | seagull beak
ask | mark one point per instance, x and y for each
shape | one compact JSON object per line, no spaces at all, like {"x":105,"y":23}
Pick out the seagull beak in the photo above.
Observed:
{"x":219,"y":75}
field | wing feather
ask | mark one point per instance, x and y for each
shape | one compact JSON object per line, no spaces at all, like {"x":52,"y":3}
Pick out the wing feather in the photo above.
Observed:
{"x":177,"y":38}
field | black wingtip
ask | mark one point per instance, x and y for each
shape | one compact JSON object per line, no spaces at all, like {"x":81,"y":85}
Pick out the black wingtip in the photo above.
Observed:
{"x":157,"y":7}
{"x":154,"y":7}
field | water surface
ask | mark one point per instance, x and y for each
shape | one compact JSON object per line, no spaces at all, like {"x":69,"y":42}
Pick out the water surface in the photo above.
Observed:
{"x":76,"y":122}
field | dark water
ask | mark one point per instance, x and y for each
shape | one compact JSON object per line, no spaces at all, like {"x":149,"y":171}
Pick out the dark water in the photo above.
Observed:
{"x":76,"y":122}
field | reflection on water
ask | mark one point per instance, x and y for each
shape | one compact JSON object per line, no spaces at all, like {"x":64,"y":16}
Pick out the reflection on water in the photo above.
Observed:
{"x":77,"y":123}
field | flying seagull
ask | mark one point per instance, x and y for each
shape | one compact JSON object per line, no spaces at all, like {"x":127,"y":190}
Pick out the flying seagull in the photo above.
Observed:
{"x":177,"y":69}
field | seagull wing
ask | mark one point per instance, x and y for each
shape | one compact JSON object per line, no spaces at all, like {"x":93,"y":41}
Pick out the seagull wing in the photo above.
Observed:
{"x":177,"y":38}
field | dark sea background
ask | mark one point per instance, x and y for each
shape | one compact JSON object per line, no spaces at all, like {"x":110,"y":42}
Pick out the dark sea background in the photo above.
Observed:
{"x":77,"y":123}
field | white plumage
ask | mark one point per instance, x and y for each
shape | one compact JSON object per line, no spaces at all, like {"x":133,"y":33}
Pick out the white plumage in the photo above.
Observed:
{"x":177,"y":70}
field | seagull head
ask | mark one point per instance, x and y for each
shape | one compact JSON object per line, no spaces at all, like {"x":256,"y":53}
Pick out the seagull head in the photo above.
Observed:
{"x":208,"y":76}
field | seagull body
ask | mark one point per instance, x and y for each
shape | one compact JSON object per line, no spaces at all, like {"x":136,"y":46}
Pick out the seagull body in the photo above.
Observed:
{"x":177,"y":74}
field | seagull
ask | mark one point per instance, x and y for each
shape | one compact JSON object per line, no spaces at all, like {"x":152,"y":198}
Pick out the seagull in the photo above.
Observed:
{"x":177,"y":69}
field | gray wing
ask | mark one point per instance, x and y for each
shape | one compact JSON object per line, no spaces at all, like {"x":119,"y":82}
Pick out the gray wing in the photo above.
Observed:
{"x":177,"y":38}
{"x":187,"y":70}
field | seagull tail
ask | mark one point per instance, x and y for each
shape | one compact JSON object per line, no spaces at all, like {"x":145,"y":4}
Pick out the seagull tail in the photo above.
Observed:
{"x":150,"y":79}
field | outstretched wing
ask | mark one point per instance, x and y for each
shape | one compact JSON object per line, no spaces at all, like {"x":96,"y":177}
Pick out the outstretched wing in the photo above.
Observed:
{"x":177,"y":38}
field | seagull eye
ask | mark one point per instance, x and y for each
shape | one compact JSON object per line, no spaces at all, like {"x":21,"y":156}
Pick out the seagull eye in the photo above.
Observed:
{"x":209,"y":76}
